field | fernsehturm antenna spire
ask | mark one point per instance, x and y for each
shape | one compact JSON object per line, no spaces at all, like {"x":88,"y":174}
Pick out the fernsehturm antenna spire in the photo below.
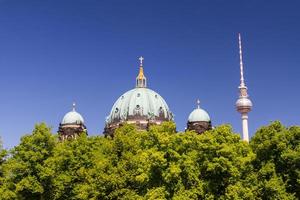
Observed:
{"x":243,"y":104}
{"x":241,"y":61}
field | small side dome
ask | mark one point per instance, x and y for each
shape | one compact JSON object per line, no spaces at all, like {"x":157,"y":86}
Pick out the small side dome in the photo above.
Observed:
{"x":72,"y":117}
{"x":199,"y":115}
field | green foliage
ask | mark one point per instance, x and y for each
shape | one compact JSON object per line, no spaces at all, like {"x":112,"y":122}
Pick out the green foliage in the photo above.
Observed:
{"x":23,"y":171}
{"x":69,"y":167}
{"x":3,"y":154}
{"x":154,"y":164}
{"x":279,"y":147}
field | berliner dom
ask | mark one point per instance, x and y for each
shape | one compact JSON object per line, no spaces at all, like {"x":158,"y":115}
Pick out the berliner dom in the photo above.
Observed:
{"x":140,"y":106}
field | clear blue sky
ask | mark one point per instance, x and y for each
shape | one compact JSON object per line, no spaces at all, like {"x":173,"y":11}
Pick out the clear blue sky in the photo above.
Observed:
{"x":55,"y":52}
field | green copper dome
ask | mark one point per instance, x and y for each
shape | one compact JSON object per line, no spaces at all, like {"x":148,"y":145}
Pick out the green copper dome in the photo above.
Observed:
{"x":140,"y":106}
{"x":139,"y":101}
{"x":72,"y":117}
{"x":199,"y":115}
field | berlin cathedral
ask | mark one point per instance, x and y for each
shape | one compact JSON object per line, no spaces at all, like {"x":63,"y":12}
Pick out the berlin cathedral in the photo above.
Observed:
{"x":140,"y":106}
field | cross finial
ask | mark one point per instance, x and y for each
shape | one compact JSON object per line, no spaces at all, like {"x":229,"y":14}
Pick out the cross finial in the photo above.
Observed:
{"x":73,"y":106}
{"x":141,"y":60}
{"x":198,"y":103}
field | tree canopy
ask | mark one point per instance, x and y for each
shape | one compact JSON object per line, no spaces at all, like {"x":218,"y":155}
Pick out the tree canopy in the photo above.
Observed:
{"x":155,"y":164}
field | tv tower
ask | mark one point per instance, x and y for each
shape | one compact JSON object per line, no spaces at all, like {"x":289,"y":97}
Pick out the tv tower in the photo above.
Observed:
{"x":243,"y":104}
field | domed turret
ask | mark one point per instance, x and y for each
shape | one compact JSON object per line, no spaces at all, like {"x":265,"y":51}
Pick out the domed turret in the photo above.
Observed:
{"x":71,"y":125}
{"x":72,"y":117}
{"x":199,"y":120}
{"x":140,"y":106}
{"x":199,"y":115}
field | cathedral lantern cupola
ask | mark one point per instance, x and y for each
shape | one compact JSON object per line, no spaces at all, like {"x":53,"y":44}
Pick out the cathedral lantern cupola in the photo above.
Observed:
{"x":199,"y":120}
{"x":140,"y":106}
{"x":71,"y":125}
{"x":141,"y":80}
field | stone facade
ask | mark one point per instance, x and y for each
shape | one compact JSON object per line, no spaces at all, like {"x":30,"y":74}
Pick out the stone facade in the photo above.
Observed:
{"x":70,"y":131}
{"x":199,"y":127}
{"x":141,"y":123}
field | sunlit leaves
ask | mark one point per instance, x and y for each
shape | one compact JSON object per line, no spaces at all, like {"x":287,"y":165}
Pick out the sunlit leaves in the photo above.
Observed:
{"x":155,"y":164}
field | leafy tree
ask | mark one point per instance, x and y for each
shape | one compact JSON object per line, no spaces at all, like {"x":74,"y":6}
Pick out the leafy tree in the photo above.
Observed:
{"x":23,"y":171}
{"x":155,"y":164}
{"x":68,"y":167}
{"x":3,"y":154}
{"x":223,"y":159}
{"x":163,"y":164}
{"x":279,"y":147}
